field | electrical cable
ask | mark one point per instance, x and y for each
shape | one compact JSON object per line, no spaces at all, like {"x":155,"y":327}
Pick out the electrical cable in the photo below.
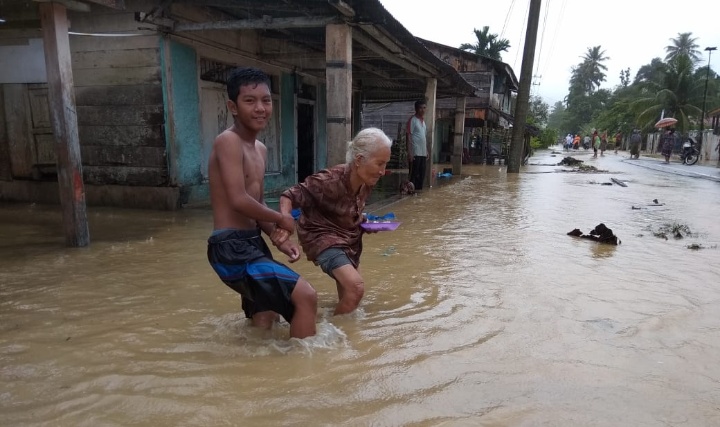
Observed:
{"x":522,"y":31}
{"x":507,"y":18}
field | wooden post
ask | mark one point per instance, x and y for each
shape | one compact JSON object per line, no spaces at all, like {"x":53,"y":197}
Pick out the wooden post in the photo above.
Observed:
{"x":485,"y":138}
{"x":61,"y":97}
{"x":458,"y":137}
{"x":430,"y":97}
{"x":339,"y":90}
{"x":515,"y":155}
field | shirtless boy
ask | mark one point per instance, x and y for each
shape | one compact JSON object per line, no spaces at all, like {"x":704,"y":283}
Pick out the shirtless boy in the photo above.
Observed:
{"x":236,"y":250}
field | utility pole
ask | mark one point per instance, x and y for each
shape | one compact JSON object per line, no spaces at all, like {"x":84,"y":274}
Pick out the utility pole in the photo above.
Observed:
{"x":521,"y":106}
{"x":702,"y":119}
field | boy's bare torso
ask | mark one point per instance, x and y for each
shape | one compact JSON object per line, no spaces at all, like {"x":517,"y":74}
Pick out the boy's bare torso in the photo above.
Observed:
{"x":253,"y":170}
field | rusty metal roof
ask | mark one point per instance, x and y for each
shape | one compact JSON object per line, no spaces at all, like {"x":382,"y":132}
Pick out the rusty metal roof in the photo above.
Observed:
{"x":389,"y":63}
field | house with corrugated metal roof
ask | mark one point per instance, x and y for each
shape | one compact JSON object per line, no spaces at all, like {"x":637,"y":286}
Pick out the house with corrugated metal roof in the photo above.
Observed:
{"x":134,"y":91}
{"x":487,"y":119}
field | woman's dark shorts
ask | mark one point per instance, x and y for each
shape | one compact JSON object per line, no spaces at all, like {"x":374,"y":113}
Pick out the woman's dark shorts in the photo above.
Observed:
{"x":244,"y":262}
{"x":332,"y":258}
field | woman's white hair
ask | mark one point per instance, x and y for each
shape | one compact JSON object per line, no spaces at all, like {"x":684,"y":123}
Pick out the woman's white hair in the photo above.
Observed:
{"x":365,"y":143}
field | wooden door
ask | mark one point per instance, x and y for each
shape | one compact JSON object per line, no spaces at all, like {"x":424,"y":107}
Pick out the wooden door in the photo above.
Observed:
{"x":31,"y":145}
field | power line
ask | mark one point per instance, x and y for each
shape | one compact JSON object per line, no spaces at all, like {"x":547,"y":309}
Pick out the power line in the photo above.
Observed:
{"x":522,"y":31}
{"x":507,"y":18}
{"x":542,"y":37}
{"x":558,"y":26}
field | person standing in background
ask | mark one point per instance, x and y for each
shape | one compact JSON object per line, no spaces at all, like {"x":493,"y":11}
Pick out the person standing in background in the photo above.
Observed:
{"x":417,"y":145}
{"x":668,"y":144}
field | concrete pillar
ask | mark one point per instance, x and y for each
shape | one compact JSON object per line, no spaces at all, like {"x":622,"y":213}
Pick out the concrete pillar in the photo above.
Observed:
{"x":458,"y":136}
{"x":338,"y":74}
{"x":430,"y":97}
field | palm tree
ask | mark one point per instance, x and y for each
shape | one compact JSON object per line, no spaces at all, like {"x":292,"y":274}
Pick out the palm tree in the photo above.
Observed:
{"x":684,"y":43}
{"x":488,"y":45}
{"x":587,"y":76}
{"x":678,"y":95}
{"x":594,"y":67}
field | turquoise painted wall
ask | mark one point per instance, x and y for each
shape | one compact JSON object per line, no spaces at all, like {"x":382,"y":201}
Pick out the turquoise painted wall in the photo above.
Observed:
{"x":321,"y":140}
{"x":278,"y":182}
{"x":184,"y":113}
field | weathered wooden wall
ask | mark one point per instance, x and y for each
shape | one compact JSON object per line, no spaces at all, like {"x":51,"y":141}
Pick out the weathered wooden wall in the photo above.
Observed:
{"x":388,"y":116}
{"x":5,"y":174}
{"x":140,"y":133}
{"x":119,"y":99}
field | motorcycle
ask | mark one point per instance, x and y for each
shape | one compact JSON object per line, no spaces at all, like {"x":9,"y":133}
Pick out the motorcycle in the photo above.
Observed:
{"x":690,"y":153}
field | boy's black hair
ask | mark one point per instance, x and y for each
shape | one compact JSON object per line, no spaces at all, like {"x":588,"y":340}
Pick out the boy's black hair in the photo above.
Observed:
{"x":418,"y":103}
{"x":245,"y":76}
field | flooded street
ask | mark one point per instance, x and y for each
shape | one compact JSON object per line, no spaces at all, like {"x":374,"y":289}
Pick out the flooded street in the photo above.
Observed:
{"x":479,"y":310}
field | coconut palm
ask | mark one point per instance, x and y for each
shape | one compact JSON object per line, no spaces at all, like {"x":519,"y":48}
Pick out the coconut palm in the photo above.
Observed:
{"x":678,"y":95}
{"x":594,"y":68}
{"x":487,"y":44}
{"x":587,"y":76}
{"x":685,"y":44}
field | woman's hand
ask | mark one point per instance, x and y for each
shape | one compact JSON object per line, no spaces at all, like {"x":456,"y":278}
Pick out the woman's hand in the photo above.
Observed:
{"x":290,"y":249}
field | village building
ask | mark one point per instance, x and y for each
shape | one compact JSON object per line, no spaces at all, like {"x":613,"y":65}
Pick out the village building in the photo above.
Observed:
{"x":487,"y":123}
{"x":130,"y":94}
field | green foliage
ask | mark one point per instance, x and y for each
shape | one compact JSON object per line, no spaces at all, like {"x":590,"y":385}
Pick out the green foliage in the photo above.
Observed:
{"x":673,"y":87}
{"x":679,"y":96}
{"x":558,"y":117}
{"x":625,"y":77}
{"x":618,"y":115}
{"x":538,"y":111}
{"x":683,"y":44}
{"x":487,"y":44}
{"x":547,"y":138}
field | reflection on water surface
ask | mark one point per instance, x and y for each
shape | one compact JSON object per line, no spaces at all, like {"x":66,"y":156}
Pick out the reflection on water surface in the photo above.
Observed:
{"x":479,"y":310}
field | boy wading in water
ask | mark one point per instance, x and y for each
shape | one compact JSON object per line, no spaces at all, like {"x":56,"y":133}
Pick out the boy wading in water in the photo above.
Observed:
{"x":236,"y":250}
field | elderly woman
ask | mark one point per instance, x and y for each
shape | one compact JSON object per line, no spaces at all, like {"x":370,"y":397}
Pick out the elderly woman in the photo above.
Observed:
{"x":331,"y":204}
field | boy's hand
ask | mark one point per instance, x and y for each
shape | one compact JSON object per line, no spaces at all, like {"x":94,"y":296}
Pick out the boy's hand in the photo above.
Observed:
{"x":287,"y":222}
{"x":279,"y":236}
{"x":290,"y":249}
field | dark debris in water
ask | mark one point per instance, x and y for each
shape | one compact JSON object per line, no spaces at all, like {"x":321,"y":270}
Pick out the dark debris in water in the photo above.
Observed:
{"x":601,"y":233}
{"x":674,"y":230}
{"x":697,"y":247}
{"x":570,"y":161}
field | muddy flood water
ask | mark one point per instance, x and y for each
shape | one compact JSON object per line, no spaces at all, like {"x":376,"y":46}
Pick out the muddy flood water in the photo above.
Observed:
{"x":479,"y":311}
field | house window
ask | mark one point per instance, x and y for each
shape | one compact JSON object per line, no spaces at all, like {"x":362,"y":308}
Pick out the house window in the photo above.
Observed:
{"x":271,"y":138}
{"x":219,"y":72}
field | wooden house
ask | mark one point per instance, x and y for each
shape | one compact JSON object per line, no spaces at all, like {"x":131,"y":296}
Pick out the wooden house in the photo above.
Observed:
{"x":143,"y":91}
{"x":487,"y":118}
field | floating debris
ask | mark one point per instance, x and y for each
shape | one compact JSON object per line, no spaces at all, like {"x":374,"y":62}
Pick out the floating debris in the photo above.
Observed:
{"x":676,"y":230}
{"x":589,"y":168}
{"x":618,"y":182}
{"x":570,"y":161}
{"x":389,"y":251}
{"x":695,"y":247}
{"x":600,"y":234}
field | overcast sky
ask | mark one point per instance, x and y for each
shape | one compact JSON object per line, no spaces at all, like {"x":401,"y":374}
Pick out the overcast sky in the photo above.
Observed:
{"x":632,"y":32}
